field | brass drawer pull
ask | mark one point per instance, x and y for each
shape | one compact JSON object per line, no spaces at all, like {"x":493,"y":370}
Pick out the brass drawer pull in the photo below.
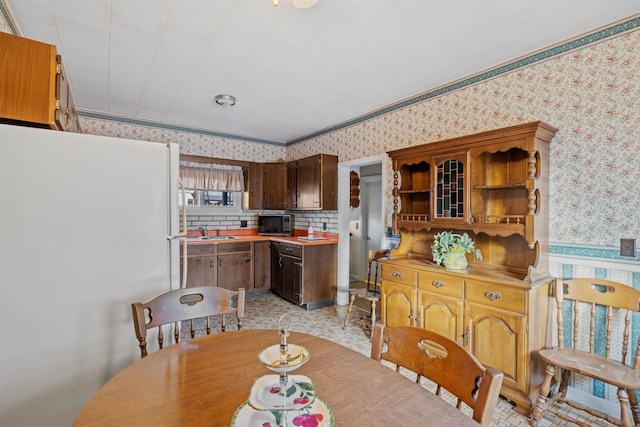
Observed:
{"x":493,"y":296}
{"x":397,"y":275}
{"x":437,"y":283}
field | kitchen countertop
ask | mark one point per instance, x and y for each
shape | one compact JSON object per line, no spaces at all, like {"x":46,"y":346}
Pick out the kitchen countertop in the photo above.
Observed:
{"x":243,"y":235}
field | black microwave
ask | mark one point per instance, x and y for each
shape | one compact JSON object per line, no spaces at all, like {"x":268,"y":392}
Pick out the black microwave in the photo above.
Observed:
{"x":275,"y":225}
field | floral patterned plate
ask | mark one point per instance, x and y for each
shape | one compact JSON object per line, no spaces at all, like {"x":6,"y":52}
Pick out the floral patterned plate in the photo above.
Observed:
{"x":318,"y":414}
{"x":265,"y":393}
{"x":296,"y":357}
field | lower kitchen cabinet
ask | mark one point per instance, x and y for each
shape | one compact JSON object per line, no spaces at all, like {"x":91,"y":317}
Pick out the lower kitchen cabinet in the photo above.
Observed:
{"x":228,"y":265}
{"x":503,"y":322}
{"x":234,"y":266}
{"x":262,"y":265}
{"x":201,"y":261}
{"x":304,"y":275}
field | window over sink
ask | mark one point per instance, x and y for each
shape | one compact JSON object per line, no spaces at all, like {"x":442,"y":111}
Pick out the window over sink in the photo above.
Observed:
{"x":211,"y":186}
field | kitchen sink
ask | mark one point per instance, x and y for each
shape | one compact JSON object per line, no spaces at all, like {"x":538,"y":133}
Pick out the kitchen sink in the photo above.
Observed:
{"x":212,"y":238}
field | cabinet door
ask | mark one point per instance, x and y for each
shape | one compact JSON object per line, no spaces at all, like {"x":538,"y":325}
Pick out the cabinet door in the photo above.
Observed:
{"x":498,"y":339}
{"x":292,"y":278}
{"x":30,"y":66}
{"x":274,"y":185}
{"x":200,"y":270}
{"x":308,"y":183}
{"x":398,"y":303}
{"x":262,"y":265}
{"x":277,"y":269}
{"x":256,"y":190}
{"x":234,"y":271}
{"x":440,"y":314}
{"x":292,"y":185}
{"x":451,"y":199}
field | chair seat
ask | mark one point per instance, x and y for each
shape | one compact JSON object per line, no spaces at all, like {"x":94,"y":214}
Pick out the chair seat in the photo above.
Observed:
{"x":365,"y":294}
{"x":582,"y":362}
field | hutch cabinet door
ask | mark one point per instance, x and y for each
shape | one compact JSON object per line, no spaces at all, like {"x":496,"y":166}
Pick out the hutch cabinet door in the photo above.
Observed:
{"x":399,"y":304}
{"x":451,"y":198}
{"x":498,"y":339}
{"x":440,"y":314}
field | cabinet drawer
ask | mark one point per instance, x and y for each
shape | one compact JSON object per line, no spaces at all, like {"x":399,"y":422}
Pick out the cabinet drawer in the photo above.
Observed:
{"x":225,"y":248}
{"x":200,"y":249}
{"x":394,"y":273}
{"x":441,"y":284}
{"x":292,"y":250}
{"x":495,"y":295}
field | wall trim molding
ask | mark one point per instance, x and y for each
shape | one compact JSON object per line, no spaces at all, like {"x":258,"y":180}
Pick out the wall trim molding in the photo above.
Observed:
{"x":8,"y":16}
{"x":595,"y":256}
{"x":149,"y":123}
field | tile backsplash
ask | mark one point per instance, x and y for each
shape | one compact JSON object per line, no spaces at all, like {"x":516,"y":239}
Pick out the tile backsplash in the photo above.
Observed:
{"x":320,"y":221}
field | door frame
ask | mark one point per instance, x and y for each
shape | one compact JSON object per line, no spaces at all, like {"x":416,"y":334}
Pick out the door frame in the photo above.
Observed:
{"x":344,"y":181}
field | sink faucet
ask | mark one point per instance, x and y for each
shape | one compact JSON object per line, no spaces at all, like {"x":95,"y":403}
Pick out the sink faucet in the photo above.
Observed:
{"x":202,"y":230}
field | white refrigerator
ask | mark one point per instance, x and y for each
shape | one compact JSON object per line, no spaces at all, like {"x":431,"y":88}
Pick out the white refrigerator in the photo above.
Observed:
{"x":85,"y":223}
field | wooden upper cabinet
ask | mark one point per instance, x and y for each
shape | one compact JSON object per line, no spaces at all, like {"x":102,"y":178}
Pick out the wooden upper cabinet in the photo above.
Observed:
{"x":34,"y":90}
{"x":316,"y":183}
{"x":254,"y":186}
{"x":274,"y":186}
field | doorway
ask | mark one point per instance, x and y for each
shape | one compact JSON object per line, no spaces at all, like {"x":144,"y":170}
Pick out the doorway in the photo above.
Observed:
{"x":370,"y":220}
{"x":364,"y":225}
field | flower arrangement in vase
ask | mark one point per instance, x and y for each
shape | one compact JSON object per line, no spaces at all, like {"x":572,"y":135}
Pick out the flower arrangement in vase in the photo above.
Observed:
{"x":450,"y":249}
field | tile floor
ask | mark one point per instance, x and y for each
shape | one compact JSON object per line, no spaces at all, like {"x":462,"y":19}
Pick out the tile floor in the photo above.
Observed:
{"x":264,"y":309}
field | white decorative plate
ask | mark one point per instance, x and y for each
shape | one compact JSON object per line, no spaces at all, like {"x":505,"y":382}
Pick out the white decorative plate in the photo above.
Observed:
{"x":317,"y":414}
{"x":265,"y":393}
{"x":296,"y":357}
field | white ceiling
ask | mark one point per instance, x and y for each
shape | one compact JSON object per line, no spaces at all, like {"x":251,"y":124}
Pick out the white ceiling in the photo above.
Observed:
{"x":293,"y":71}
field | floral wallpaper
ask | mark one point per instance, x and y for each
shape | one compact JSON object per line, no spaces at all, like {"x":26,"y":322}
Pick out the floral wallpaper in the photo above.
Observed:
{"x":190,"y":142}
{"x":590,"y":95}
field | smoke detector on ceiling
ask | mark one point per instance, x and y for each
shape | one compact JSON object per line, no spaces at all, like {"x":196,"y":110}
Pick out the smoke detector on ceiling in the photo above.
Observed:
{"x":225,"y":100}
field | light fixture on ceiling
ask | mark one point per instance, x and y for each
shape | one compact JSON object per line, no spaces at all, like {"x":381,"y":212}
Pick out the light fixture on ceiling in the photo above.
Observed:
{"x":227,"y":101}
{"x":300,"y":4}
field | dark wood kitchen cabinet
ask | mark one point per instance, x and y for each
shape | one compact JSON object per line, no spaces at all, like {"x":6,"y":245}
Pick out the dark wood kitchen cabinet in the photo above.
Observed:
{"x":201,"y":261}
{"x":35,"y":91}
{"x":274,"y":186}
{"x":254,"y":186}
{"x":304,"y":275}
{"x":234,"y":266}
{"x":228,"y":265}
{"x":313,"y":183}
{"x":286,"y":270}
{"x":262,"y":265}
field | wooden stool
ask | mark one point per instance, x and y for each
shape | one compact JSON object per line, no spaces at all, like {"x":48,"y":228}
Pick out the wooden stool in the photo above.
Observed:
{"x":372,"y":292}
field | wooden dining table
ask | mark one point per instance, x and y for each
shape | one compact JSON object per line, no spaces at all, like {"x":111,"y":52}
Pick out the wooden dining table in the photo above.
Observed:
{"x":201,"y":382}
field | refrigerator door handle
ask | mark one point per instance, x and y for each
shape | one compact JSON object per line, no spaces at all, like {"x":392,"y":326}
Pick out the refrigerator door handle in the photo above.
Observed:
{"x":180,"y":236}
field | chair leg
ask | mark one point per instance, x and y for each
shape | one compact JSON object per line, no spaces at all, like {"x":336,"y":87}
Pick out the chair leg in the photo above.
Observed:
{"x":346,"y":319}
{"x":635,"y":410}
{"x":625,"y":410}
{"x":541,"y":402}
{"x":564,"y":384}
{"x":373,"y":314}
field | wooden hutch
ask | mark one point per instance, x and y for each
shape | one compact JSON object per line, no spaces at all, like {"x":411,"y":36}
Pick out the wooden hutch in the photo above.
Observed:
{"x":493,"y":186}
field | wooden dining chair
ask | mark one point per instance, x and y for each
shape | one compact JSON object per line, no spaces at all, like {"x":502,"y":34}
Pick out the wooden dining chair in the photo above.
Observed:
{"x":443,"y":361}
{"x":190,"y":304}
{"x":597,"y":315}
{"x":371,"y":292}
